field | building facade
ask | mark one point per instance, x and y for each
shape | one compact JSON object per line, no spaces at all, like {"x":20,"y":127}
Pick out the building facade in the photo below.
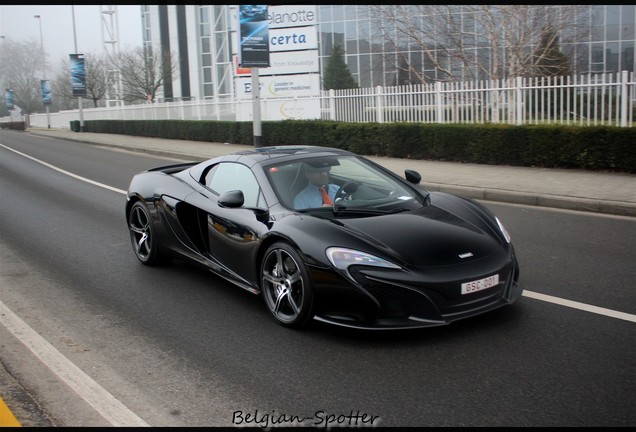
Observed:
{"x":202,"y":41}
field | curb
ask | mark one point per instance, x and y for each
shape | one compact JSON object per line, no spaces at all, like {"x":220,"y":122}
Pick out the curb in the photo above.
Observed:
{"x":16,"y":402}
{"x":537,"y":200}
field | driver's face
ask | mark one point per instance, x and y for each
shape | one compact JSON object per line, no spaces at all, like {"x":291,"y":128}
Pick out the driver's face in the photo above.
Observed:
{"x":318,"y":177}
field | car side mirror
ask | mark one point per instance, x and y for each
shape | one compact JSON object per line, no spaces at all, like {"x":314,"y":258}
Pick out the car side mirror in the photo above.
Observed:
{"x":412,"y":176}
{"x":232,"y":199}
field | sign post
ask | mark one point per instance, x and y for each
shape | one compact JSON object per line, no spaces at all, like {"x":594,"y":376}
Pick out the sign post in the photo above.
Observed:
{"x":256,"y":109}
{"x":78,"y":75}
{"x":254,"y":53}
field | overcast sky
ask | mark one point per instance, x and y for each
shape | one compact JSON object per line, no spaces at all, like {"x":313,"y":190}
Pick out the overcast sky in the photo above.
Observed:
{"x":18,"y":23}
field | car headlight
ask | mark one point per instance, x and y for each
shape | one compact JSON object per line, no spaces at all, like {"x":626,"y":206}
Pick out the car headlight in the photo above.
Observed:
{"x":342,"y":258}
{"x":503,"y":230}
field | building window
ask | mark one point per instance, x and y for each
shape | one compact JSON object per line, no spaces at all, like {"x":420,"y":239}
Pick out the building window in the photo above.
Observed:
{"x":628,"y":18}
{"x":612,"y":57}
{"x":208,"y":91}
{"x":627,"y":57}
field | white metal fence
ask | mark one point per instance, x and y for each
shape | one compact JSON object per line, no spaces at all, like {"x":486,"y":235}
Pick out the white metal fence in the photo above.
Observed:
{"x":585,"y":100}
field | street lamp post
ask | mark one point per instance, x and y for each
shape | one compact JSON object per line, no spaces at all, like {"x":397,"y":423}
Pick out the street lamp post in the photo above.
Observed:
{"x":79,"y":98}
{"x":2,"y":87}
{"x":48,"y":113}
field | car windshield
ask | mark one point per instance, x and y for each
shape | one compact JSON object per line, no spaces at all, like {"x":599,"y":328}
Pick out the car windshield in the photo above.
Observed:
{"x":351,"y":185}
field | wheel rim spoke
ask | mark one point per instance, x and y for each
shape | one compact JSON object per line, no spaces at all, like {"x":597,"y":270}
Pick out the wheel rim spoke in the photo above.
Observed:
{"x":271,"y":278}
{"x":143,"y":244}
{"x":279,"y":267}
{"x":140,"y":232}
{"x":136,"y":230}
{"x":292,"y":304}
{"x":280,"y":296}
{"x":294,"y":278}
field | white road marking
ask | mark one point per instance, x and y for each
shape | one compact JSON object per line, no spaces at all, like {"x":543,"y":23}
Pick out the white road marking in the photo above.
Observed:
{"x":95,"y":395}
{"x":581,"y":306}
{"x":70,"y":174}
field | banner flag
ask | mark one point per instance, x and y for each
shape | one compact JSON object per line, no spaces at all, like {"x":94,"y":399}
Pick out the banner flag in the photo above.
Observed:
{"x":254,"y":36}
{"x":78,"y":74}
{"x":45,"y":90}
{"x":10,"y":99}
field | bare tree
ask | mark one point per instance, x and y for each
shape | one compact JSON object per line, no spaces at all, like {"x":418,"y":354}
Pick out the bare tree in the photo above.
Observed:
{"x":21,"y":69}
{"x":97,"y":81}
{"x":144,"y":73}
{"x":63,"y":98}
{"x":474,"y":41}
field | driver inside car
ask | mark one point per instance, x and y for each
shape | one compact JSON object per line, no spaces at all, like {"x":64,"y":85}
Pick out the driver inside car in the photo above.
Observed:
{"x":318,"y":192}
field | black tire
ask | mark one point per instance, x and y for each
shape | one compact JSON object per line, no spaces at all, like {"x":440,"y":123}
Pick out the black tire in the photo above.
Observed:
{"x":142,"y":235}
{"x":286,"y":287}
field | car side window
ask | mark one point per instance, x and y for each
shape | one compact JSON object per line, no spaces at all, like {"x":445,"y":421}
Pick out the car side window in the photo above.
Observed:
{"x":229,"y":176}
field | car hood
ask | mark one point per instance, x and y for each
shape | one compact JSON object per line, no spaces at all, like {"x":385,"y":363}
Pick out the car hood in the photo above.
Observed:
{"x":446,"y":232}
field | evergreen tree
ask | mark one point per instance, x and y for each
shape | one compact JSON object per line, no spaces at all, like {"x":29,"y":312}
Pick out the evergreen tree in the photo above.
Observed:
{"x":548,"y":60}
{"x":337,"y":74}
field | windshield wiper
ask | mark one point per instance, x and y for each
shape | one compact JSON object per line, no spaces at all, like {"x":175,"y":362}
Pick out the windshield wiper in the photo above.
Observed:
{"x":400,"y":210}
{"x":339,"y":208}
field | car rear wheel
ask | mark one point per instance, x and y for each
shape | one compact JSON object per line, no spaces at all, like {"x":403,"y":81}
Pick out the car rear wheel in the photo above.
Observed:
{"x":285,"y":286}
{"x":142,"y":235}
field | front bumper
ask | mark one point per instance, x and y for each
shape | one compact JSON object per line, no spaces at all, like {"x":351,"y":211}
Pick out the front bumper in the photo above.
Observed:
{"x":392,"y":300}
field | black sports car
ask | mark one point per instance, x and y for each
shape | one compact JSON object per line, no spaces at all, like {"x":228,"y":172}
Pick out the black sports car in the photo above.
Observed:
{"x":382,"y":253}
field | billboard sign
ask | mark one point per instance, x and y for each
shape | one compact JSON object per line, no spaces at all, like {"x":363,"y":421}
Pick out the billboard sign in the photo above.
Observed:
{"x":293,"y":63}
{"x":292,"y":16}
{"x":293,"y":39}
{"x":281,"y":86}
{"x":282,"y":109}
{"x":288,"y":62}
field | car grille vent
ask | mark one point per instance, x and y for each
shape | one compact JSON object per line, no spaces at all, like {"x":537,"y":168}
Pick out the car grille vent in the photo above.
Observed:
{"x":395,"y":301}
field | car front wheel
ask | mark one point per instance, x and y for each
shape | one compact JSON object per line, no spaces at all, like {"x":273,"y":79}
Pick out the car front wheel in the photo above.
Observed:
{"x":285,"y":286}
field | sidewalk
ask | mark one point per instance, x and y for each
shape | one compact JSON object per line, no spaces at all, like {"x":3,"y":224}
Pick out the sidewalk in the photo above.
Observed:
{"x":611,"y":193}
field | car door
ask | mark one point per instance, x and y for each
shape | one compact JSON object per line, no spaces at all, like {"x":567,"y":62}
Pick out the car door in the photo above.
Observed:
{"x":233,"y":233}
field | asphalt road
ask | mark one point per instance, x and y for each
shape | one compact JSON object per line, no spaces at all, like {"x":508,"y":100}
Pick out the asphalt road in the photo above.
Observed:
{"x":177,"y":346}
